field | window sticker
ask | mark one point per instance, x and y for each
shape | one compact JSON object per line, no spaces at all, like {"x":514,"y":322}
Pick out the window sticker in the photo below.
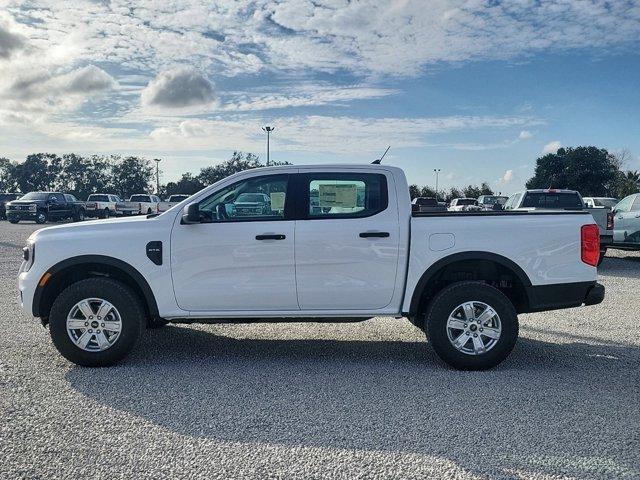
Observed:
{"x":277,"y":200}
{"x":341,"y":195}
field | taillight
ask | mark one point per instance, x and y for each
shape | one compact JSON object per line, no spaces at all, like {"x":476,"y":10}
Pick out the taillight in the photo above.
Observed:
{"x":590,"y":244}
{"x":610,"y":221}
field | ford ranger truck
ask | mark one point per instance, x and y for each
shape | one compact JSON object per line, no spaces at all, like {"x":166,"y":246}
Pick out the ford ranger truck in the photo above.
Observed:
{"x":336,"y":243}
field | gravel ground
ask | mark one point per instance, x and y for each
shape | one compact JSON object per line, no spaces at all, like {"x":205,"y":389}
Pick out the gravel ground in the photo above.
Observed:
{"x":367,"y":400}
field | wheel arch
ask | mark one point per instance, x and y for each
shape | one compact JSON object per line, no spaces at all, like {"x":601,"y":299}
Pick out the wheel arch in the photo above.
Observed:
{"x":86,"y":266}
{"x":492,"y":266}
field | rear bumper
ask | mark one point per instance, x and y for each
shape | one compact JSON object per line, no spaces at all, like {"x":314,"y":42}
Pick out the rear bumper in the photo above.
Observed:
{"x":564,"y":295}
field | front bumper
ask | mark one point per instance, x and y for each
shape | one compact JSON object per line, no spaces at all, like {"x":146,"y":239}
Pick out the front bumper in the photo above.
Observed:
{"x":564,"y":295}
{"x":13,"y":215}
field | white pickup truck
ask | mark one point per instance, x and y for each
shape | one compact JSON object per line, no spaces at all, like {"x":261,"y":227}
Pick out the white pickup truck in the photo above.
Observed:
{"x":171,"y":202}
{"x":149,"y":204}
{"x":337,"y":243}
{"x":105,"y":205}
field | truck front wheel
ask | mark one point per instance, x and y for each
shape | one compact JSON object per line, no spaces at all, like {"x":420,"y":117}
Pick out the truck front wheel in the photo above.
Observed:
{"x":41,"y":217}
{"x":96,"y":322}
{"x":471,"y":325}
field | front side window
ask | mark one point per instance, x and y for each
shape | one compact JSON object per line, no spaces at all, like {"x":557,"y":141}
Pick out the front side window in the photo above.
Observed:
{"x":625,"y":204}
{"x":345,"y":195}
{"x":258,"y":198}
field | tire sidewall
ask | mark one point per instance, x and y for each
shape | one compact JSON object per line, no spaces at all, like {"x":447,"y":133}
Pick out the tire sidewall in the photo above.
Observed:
{"x":121,"y":297}
{"x":444,"y":304}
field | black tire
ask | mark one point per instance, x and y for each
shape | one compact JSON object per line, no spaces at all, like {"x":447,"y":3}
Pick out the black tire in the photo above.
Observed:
{"x":14,"y":220}
{"x":106,"y":214}
{"x":157,"y":323}
{"x":121,"y":297}
{"x":603,"y":253}
{"x":444,"y":304}
{"x":79,"y":216}
{"x":149,"y":211}
{"x":41,"y":217}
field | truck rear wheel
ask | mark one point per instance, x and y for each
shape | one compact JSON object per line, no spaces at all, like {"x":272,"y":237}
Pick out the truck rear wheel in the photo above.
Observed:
{"x":96,"y":322}
{"x":106,"y":214}
{"x":471,"y":325}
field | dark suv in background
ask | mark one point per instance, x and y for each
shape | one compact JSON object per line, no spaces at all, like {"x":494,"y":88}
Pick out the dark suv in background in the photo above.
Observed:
{"x":45,"y":206}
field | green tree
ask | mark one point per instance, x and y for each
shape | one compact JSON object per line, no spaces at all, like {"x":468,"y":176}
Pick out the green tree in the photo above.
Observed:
{"x":131,"y":175}
{"x":7,"y":176}
{"x":591,"y":171}
{"x":238,"y":162}
{"x":188,"y":184}
{"x":34,"y":173}
{"x":414,"y":191}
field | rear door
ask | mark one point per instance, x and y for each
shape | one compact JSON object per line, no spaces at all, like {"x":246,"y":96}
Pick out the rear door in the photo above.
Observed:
{"x":347,"y":240}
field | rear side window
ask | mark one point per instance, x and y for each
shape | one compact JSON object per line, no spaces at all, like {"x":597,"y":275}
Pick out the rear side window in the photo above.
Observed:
{"x":552,"y":200}
{"x":344,"y":195}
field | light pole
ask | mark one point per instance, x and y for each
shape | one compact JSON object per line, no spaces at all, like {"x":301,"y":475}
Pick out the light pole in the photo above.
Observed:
{"x":157,"y":160}
{"x":268,"y":130}
{"x":437,"y":171}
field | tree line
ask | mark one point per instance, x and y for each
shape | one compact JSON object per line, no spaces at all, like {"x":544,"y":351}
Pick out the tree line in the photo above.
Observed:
{"x":590,"y":170}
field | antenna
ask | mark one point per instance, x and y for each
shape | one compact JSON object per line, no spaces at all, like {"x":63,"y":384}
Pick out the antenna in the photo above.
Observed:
{"x":379,"y":161}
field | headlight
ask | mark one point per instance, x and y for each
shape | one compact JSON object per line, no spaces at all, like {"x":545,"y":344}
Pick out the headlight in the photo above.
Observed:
{"x":28,"y":255}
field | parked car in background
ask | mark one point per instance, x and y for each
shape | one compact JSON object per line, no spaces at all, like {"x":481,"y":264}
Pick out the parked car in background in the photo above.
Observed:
{"x":45,"y":206}
{"x":626,"y":223}
{"x":171,"y":202}
{"x":252,"y":203}
{"x":492,"y":202}
{"x":559,"y":199}
{"x":148,"y":203}
{"x":607,"y":202}
{"x":105,"y":205}
{"x":462,"y":279}
{"x":426,"y":204}
{"x":464,"y":205}
{"x":4,"y":198}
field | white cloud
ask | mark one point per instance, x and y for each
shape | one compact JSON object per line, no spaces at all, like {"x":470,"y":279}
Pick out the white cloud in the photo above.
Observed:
{"x":179,"y":87}
{"x":508,"y":177}
{"x":551,"y":147}
{"x":11,"y":41}
{"x":525,"y":135}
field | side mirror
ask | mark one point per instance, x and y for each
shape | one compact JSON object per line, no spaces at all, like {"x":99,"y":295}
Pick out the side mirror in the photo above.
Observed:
{"x":191,"y":214}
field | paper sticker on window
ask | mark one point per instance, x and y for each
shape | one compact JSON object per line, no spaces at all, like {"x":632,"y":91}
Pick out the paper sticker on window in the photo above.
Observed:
{"x":341,"y":195}
{"x":277,"y":200}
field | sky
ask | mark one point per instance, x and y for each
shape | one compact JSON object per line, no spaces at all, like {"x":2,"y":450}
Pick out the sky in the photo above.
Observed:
{"x":478,"y":89}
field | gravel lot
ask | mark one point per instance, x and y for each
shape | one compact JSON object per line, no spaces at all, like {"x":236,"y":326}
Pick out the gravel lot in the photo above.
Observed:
{"x":367,"y":400}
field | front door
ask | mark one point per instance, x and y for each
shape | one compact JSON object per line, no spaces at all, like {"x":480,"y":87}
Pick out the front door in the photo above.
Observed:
{"x":347,"y":241}
{"x":241,"y":258}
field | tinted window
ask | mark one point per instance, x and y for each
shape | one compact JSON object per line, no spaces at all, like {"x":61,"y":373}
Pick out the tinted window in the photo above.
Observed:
{"x":344,"y":195}
{"x":426,"y":202}
{"x":466,"y":201}
{"x":605,"y":202}
{"x":98,"y":198}
{"x":58,"y":196}
{"x":140,"y":198}
{"x":552,"y":200}
{"x":70,"y":198}
{"x":230,"y":204}
{"x":178,"y":198}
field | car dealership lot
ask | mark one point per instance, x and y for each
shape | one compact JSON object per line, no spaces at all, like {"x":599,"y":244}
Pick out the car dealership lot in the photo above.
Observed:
{"x":363,"y":400}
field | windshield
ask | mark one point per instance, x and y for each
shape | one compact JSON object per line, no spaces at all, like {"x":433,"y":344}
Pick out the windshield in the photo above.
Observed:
{"x":35,"y":196}
{"x":605,"y":202}
{"x":552,"y":200}
{"x":140,"y":198}
{"x":466,"y":201}
{"x":250,"y":197}
{"x":98,"y":198}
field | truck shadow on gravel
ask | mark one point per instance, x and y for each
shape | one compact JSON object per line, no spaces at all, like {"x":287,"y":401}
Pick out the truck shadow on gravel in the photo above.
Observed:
{"x":549,"y":409}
